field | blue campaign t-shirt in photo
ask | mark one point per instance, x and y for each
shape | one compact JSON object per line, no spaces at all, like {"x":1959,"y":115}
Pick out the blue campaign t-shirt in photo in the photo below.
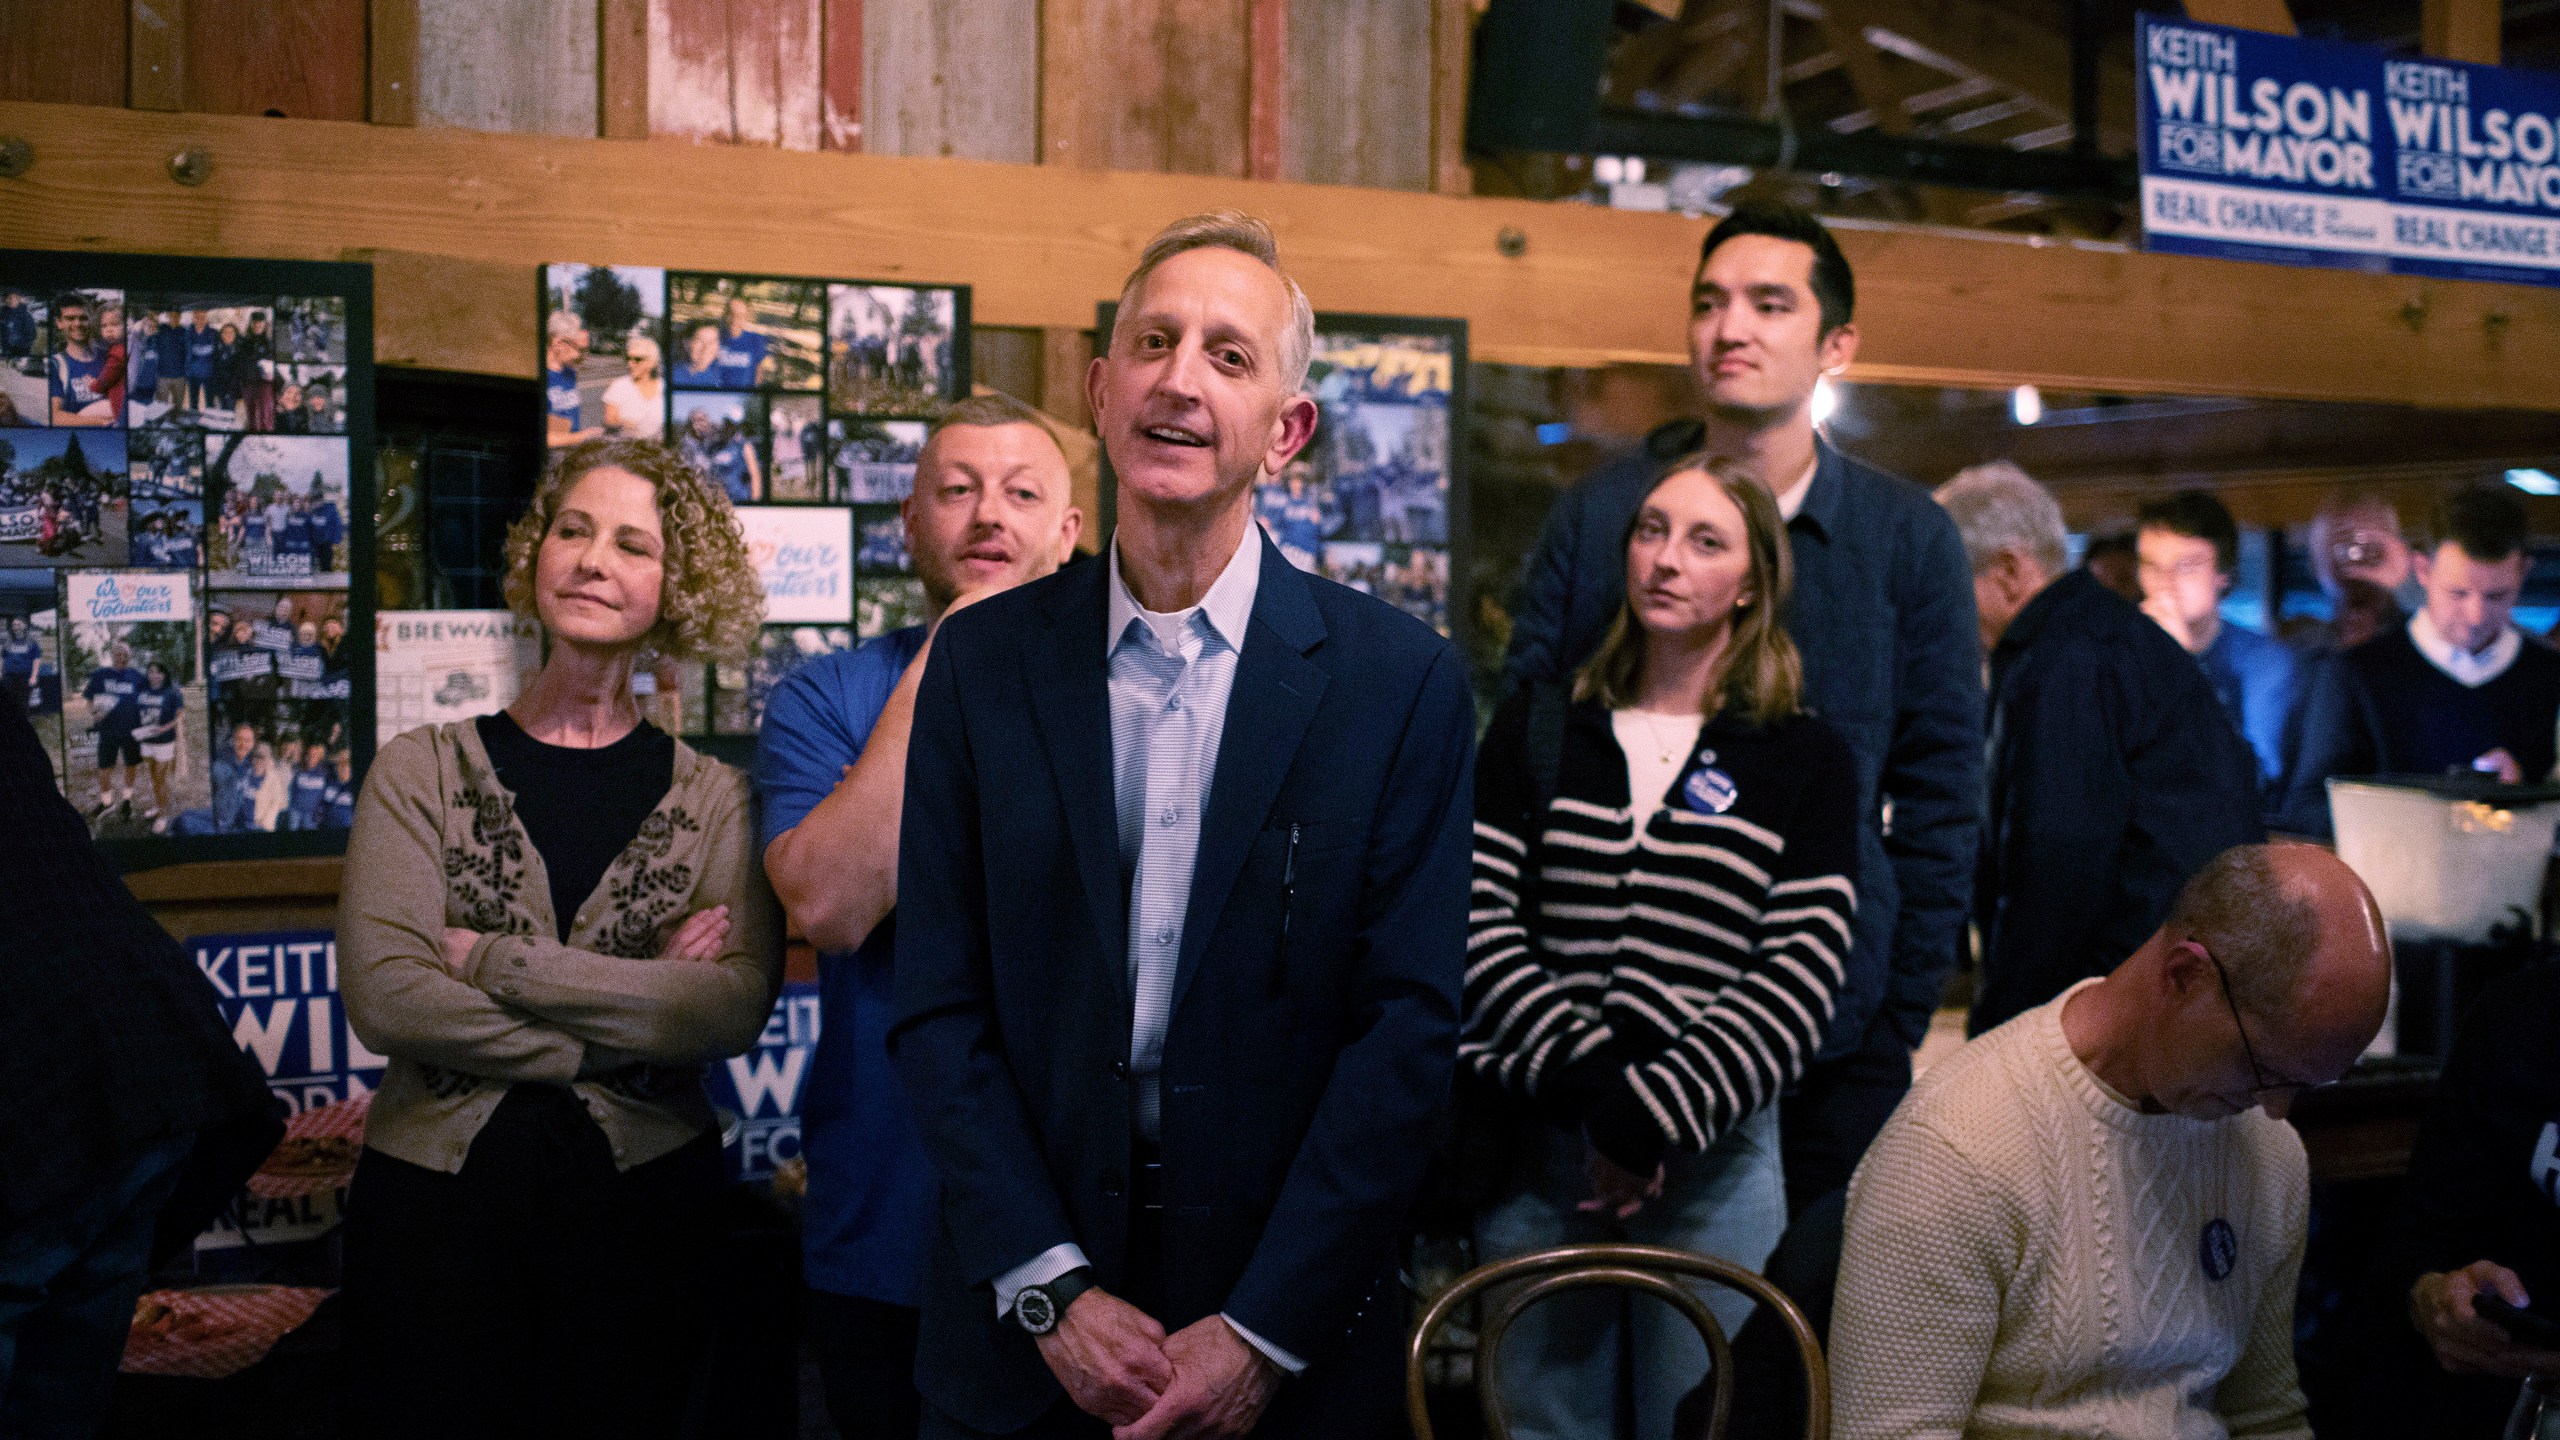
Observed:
{"x":18,"y":658}
{"x":203,"y":348}
{"x":118,"y":686}
{"x":178,"y":549}
{"x":338,"y":805}
{"x":310,"y":793}
{"x":870,"y":1184}
{"x":741,"y":355}
{"x":154,"y":709}
{"x":560,"y":392}
{"x":75,"y":381}
{"x":729,"y":467}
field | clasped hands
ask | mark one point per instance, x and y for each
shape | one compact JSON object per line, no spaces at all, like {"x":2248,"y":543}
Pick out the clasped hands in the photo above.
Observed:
{"x":1119,"y":1366}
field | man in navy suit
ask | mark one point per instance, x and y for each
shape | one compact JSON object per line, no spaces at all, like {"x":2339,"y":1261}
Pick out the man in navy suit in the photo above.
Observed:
{"x":1182,"y":909}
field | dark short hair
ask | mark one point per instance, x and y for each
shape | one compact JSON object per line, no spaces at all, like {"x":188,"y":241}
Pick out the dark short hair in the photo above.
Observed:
{"x":2487,"y":521}
{"x":70,"y":299}
{"x":2102,"y":546}
{"x":1834,"y":287}
{"x":2198,"y":515}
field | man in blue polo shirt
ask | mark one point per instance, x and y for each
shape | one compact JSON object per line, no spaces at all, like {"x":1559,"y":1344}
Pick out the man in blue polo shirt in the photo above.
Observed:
{"x":564,"y":345}
{"x":989,"y":511}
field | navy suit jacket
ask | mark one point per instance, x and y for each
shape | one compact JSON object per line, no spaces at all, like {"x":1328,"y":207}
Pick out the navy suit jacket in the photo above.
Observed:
{"x":1302,"y":1085}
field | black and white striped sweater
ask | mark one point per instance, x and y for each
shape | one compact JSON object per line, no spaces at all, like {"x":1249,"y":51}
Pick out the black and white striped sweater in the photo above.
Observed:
{"x":1658,"y":987}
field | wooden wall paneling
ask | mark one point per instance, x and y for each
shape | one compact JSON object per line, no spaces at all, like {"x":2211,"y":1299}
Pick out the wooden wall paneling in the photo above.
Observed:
{"x":65,"y":52}
{"x":1268,"y":103}
{"x":527,"y":66}
{"x":391,"y":61}
{"x":1041,"y":245}
{"x":1362,"y":77}
{"x":622,"y":69}
{"x":952,"y":77}
{"x":1061,"y":76}
{"x":2273,"y":16}
{"x":840,"y":67}
{"x":304,"y":59}
{"x":1006,"y":358}
{"x":1155,"y":85}
{"x":157,"y":55}
{"x":744,"y":72}
{"x":2461,"y":30}
{"x":1452,"y":61}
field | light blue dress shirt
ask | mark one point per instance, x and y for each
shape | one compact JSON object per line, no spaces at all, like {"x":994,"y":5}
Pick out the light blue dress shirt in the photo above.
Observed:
{"x":1171,"y":675}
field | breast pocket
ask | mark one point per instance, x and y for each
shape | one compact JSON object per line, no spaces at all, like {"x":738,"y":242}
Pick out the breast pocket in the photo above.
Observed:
{"x":1312,"y":871}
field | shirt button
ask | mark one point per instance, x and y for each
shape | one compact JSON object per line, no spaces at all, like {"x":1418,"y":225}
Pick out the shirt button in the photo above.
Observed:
{"x":1169,"y":816}
{"x":1173,"y":704}
{"x":1165,"y":936}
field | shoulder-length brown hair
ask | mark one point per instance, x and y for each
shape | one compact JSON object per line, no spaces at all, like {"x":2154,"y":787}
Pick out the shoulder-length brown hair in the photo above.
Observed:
{"x":712,"y":601}
{"x":1761,"y":678}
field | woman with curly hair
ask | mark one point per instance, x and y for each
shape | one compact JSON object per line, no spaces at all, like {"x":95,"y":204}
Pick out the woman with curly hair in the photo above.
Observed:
{"x":553,"y":917}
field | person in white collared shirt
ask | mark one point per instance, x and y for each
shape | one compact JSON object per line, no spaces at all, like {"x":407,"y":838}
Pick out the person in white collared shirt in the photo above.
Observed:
{"x":2460,"y":688}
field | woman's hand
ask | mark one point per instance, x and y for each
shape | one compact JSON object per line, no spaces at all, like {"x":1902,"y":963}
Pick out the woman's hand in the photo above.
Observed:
{"x":1616,"y":1192}
{"x":700,"y":936}
{"x":457,"y":951}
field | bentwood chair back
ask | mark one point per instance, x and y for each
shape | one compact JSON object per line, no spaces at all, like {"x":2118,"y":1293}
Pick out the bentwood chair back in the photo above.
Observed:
{"x":1646,"y":1268}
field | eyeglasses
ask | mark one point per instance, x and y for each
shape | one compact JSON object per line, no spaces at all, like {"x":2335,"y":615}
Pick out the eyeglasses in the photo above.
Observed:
{"x":2266,"y":1082}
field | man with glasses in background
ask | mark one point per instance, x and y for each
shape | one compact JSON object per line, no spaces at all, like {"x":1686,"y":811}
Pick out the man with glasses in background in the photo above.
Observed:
{"x":2090,"y":1221}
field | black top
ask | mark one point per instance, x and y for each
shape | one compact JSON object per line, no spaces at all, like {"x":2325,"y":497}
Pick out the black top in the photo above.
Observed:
{"x":2114,"y":775}
{"x":2383,"y":708}
{"x":580,"y":808}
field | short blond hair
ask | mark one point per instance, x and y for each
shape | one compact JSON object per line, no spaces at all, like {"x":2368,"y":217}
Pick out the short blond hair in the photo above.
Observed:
{"x":712,"y":601}
{"x":1246,"y":235}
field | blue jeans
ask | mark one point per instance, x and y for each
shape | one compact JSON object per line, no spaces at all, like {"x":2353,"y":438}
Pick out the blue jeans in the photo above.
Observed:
{"x":68,"y":1280}
{"x":1562,"y":1359}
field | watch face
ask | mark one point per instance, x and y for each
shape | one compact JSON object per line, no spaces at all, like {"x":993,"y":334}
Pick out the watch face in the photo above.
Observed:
{"x":1033,"y":1308}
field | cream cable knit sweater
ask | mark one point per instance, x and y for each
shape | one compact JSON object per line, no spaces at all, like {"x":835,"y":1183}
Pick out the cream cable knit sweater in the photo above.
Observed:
{"x":2028,"y":1256}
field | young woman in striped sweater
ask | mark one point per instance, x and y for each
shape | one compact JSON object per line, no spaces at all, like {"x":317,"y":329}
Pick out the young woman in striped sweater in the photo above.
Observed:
{"x":1661,"y":910}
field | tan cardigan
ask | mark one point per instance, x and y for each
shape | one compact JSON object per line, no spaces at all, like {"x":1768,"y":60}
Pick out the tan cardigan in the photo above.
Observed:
{"x":437,"y":844}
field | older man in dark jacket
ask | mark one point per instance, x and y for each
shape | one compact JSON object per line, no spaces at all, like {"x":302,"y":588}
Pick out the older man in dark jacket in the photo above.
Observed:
{"x":2114,"y":772}
{"x":1880,"y":613}
{"x":125,"y":1106}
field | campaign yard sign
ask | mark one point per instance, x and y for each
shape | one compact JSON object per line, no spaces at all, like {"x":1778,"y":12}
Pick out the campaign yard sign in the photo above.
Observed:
{"x":2310,"y":152}
{"x":762,"y":1088}
{"x":278,"y":994}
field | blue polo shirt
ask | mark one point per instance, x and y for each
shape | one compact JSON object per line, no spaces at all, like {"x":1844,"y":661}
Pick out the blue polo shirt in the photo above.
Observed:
{"x":2259,"y":681}
{"x":870,"y":1185}
{"x":560,"y":395}
{"x":741,"y":355}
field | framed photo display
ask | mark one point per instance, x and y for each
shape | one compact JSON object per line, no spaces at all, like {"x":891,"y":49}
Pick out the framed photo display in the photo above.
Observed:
{"x":186,"y":544}
{"x":1378,"y":499}
{"x":806,"y":399}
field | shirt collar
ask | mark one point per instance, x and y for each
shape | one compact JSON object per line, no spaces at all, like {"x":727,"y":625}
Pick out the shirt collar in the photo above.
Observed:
{"x":1791,"y":499}
{"x":1228,"y":605}
{"x":2465,"y":668}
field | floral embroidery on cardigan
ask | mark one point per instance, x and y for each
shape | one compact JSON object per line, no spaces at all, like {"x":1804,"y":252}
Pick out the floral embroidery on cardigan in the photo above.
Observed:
{"x":645,"y":890}
{"x":485,"y":876}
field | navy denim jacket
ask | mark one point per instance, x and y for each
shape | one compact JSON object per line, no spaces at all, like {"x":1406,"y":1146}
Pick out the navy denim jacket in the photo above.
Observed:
{"x":1883,"y":612}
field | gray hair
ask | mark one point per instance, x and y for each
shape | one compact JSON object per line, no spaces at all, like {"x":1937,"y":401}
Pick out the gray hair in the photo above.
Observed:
{"x":1246,"y":235}
{"x":2261,"y":932}
{"x":562,"y":325}
{"x":2000,"y":507}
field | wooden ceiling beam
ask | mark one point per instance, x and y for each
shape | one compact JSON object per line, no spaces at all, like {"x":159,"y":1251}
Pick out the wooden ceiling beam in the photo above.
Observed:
{"x":2461,"y":30}
{"x":457,"y":220}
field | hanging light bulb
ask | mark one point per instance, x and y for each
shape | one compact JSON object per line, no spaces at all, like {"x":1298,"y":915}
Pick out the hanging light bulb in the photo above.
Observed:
{"x":1826,"y":400}
{"x":2026,"y":405}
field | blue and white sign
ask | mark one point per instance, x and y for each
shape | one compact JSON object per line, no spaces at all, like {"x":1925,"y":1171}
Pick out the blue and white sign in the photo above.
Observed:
{"x":762,"y":1088}
{"x":2309,"y":152}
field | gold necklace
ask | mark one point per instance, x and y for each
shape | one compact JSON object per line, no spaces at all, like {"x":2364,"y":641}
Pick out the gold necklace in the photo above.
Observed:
{"x":1659,"y":744}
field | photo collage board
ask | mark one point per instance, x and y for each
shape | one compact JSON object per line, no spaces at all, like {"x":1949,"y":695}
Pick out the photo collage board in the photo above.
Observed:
{"x":1377,"y":500}
{"x":806,"y":399}
{"x":186,"y":502}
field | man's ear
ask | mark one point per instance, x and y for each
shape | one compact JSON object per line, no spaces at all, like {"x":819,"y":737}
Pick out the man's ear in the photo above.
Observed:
{"x":1070,"y":532}
{"x":1296,"y":426}
{"x":1839,"y":349}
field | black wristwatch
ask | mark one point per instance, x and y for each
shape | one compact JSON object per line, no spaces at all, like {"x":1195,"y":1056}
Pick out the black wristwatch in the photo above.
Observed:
{"x":1039,"y":1308}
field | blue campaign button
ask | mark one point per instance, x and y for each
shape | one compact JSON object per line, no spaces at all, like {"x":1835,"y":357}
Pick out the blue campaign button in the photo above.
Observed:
{"x":2218,"y":1248}
{"x":1710,"y":791}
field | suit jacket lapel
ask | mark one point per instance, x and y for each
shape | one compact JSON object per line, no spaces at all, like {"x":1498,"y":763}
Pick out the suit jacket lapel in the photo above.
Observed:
{"x":1070,"y":695}
{"x":1277,"y":689}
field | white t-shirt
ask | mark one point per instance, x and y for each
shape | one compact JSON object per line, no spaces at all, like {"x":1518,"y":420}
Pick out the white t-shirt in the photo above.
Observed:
{"x":625,"y":395}
{"x":1658,"y":748}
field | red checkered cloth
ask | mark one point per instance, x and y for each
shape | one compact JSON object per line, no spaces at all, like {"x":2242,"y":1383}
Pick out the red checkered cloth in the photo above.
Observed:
{"x":344,"y":1120}
{"x":209,"y":1334}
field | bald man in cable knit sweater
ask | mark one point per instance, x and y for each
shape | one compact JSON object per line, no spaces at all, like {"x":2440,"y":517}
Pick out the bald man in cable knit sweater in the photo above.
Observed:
{"x":2088,"y":1222}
